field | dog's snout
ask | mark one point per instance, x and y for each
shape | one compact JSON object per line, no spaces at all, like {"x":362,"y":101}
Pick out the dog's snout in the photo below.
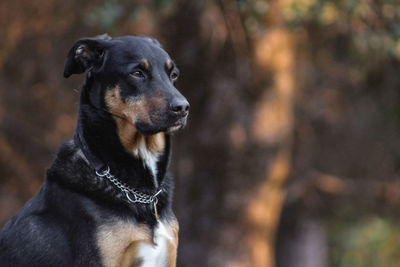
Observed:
{"x":180,"y":107}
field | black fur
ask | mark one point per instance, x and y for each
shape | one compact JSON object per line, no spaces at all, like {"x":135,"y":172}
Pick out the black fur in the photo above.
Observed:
{"x":57,"y":226}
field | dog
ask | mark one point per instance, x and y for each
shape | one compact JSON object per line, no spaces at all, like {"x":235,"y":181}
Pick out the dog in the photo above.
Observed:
{"x":106,"y":199}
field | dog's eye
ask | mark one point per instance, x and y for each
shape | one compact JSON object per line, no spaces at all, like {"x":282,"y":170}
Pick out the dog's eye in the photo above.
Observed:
{"x":174,"y":76}
{"x":137,"y":74}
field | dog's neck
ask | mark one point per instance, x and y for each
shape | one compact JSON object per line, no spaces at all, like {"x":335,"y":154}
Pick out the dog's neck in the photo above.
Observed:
{"x":97,"y":134}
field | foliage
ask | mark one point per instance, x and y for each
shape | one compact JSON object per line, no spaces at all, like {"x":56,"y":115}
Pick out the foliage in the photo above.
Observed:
{"x":372,"y":25}
{"x":368,"y":242}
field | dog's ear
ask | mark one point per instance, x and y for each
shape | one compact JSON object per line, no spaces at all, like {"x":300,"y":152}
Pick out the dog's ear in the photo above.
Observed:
{"x":87,"y":53}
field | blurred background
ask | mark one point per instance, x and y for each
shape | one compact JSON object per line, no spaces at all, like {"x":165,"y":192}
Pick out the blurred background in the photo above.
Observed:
{"x":291,"y":156}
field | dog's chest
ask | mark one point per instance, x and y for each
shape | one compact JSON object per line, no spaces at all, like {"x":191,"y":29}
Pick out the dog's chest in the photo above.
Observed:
{"x":127,"y":244}
{"x":149,"y":159}
{"x":156,"y":254}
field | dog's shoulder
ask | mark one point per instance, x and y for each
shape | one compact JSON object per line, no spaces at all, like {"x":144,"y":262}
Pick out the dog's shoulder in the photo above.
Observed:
{"x":29,"y":236}
{"x":40,"y":233}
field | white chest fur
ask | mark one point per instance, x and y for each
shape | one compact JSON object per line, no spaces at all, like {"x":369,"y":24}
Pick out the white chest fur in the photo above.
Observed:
{"x":125,"y":244}
{"x":156,"y":254}
{"x":149,"y":158}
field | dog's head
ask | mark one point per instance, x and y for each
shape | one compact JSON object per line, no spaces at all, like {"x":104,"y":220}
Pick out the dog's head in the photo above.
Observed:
{"x":135,"y":81}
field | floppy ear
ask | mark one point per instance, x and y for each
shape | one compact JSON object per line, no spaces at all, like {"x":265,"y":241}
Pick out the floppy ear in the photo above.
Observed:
{"x":87,"y":53}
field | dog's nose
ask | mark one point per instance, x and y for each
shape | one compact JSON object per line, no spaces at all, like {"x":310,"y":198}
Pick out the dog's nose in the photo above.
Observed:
{"x":180,"y":107}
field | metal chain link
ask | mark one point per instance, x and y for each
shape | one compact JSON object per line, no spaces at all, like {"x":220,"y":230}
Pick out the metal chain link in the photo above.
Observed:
{"x":138,"y":197}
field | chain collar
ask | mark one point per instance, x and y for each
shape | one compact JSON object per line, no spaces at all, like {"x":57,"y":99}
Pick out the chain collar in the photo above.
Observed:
{"x":131,"y":194}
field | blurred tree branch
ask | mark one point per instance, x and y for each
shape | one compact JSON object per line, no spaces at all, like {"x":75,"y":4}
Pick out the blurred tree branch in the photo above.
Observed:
{"x":386,"y":190}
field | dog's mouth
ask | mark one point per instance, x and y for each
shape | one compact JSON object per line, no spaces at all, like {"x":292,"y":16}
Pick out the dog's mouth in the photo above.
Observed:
{"x":177,"y":125}
{"x":168,"y":126}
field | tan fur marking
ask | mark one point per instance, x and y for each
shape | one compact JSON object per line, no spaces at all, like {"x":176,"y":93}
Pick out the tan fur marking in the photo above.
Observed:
{"x":156,"y":143}
{"x":172,"y":254}
{"x":127,"y":113}
{"x":130,"y":258}
{"x":117,"y":242}
{"x":173,"y":246}
{"x":145,"y":64}
{"x":132,"y":110}
{"x":169,"y":64}
{"x":157,"y":102}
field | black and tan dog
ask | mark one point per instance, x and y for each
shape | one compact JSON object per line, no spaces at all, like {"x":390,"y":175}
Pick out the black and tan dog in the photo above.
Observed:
{"x":106,"y":200}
